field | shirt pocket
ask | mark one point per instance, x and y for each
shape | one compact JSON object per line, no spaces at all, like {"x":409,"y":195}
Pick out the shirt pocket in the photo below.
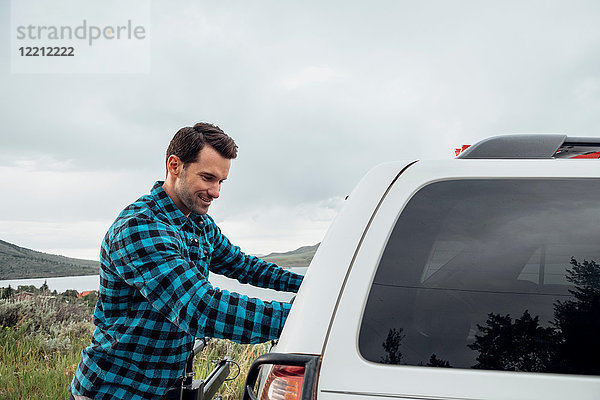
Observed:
{"x":193,"y":251}
{"x":205,"y":251}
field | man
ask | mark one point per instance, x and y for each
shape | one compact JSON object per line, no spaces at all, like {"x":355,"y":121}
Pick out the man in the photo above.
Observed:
{"x":155,"y":297}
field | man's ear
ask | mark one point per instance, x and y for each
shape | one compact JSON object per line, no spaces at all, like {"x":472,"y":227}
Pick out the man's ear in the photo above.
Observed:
{"x":174,"y":165}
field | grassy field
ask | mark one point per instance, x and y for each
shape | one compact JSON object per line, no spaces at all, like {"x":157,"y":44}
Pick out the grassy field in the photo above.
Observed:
{"x":41,"y":339}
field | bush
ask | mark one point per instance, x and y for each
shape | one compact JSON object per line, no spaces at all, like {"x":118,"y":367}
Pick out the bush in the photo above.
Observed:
{"x":41,"y":313}
{"x":41,"y":339}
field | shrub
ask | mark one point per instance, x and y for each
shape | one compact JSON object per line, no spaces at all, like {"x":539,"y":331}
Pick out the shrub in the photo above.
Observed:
{"x":41,"y":339}
{"x":41,"y":313}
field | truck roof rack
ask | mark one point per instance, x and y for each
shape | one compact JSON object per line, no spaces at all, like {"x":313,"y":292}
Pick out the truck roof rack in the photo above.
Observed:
{"x":532,"y":146}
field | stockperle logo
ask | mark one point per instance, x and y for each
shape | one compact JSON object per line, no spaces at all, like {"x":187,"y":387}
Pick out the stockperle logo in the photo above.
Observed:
{"x":85,"y":31}
{"x":74,"y":36}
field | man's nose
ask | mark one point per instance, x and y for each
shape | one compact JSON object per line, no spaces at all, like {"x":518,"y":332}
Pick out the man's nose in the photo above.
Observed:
{"x":214,"y":190}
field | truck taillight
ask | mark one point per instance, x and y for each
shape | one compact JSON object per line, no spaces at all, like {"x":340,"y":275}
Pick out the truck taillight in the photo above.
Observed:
{"x":290,"y":377}
{"x":284,"y":382}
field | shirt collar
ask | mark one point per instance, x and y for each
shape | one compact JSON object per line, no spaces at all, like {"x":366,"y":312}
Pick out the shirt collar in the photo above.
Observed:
{"x":172,"y":212}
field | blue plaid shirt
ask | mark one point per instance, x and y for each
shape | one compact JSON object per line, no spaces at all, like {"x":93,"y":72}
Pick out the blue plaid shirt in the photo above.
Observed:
{"x":155,"y":298}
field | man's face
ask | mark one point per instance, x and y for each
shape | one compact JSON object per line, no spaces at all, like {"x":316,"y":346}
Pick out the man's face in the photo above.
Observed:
{"x":199,"y":183}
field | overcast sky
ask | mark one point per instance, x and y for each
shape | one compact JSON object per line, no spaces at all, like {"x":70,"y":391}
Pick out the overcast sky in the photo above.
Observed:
{"x":315,"y":93}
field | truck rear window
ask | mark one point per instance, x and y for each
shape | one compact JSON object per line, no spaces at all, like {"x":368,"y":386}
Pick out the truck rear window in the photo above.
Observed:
{"x":491,"y":274}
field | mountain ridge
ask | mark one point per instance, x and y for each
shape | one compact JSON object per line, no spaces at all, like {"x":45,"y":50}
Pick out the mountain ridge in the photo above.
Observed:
{"x":301,"y":257}
{"x":18,"y":262}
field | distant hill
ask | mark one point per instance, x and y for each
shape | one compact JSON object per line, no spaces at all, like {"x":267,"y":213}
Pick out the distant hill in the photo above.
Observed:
{"x":300,"y":257}
{"x":21,"y":263}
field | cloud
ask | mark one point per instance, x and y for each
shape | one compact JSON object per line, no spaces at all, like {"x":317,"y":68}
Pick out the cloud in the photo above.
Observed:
{"x":276,"y":229}
{"x":66,"y":195}
{"x":80,"y":239}
{"x":314,"y":93}
{"x":309,"y":75}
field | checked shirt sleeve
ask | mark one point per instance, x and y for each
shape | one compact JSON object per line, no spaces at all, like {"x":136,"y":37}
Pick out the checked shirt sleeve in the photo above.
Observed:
{"x":230,"y":261}
{"x":149,"y":255}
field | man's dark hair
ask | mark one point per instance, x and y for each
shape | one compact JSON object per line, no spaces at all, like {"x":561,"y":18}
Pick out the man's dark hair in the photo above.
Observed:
{"x":188,"y":141}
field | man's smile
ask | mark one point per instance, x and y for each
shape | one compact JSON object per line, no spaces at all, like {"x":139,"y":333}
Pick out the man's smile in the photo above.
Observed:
{"x":207,"y":200}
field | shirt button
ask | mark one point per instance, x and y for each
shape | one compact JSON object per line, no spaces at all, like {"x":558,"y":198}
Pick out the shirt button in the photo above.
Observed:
{"x":194,"y":241}
{"x":205,"y":252}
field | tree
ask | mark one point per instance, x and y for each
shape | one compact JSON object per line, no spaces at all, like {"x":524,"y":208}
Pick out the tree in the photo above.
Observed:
{"x":570,"y":345}
{"x":28,"y":288}
{"x":578,"y":321}
{"x":391,"y":345}
{"x":44,"y":288}
{"x":70,"y":293}
{"x":522,"y":345}
{"x":8,"y":292}
{"x":438,"y":362}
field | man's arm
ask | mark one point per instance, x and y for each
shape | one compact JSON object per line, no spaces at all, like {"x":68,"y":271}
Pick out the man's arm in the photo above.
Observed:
{"x":148,"y":256}
{"x":230,"y":261}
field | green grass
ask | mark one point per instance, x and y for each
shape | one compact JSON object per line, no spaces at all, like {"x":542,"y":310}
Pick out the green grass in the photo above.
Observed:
{"x":32,"y":368}
{"x":41,"y":340}
{"x":244,"y":355}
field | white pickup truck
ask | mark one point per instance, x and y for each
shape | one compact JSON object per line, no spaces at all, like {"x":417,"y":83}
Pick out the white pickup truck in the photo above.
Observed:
{"x":471,"y":278}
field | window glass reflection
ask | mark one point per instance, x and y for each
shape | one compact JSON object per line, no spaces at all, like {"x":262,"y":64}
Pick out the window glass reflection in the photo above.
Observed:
{"x":491,"y":274}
